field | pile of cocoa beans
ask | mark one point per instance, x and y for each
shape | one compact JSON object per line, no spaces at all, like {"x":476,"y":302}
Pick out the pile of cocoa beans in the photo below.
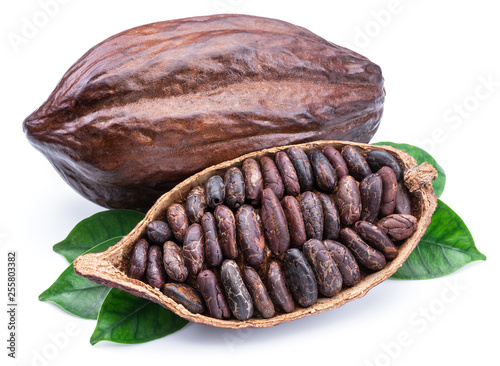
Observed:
{"x":274,"y":234}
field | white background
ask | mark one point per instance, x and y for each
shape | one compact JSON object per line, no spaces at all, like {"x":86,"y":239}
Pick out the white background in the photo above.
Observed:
{"x":440,"y":60}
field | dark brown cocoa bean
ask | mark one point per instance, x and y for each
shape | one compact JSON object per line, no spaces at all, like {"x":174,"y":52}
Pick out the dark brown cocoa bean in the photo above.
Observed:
{"x":271,"y":176}
{"x":261,"y":299}
{"x":370,"y":190}
{"x":325,"y":175}
{"x":274,"y":222}
{"x":253,"y":181}
{"x":278,"y":289}
{"x":238,"y":298}
{"x":377,"y":239}
{"x":213,"y":251}
{"x":178,"y":221}
{"x":389,"y":191}
{"x":377,"y":159}
{"x":345,"y":261}
{"x":335,"y":158}
{"x":138,"y":259}
{"x":299,"y":277}
{"x":226,"y":229}
{"x":216,"y":191}
{"x":398,"y":226}
{"x":403,"y":201}
{"x":328,"y":277}
{"x":185,"y":295}
{"x":155,"y":272}
{"x":302,"y":167}
{"x":196,"y":204}
{"x":356,"y":163}
{"x":296,"y":227}
{"x":364,"y":254}
{"x":213,"y":295}
{"x":312,"y":213}
{"x":287,"y":173}
{"x":158,"y":232}
{"x":193,"y":249}
{"x":173,"y":261}
{"x":235,"y":188}
{"x":331,"y":219}
{"x":249,"y":234}
{"x":348,"y":200}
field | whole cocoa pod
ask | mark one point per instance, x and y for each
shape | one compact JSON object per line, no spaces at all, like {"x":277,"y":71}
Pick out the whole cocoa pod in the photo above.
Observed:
{"x":128,"y":102}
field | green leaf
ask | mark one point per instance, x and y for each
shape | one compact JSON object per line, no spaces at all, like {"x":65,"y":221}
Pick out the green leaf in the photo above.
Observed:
{"x":78,"y":295}
{"x":422,"y":156}
{"x":96,"y":229}
{"x":125,"y":318}
{"x":446,"y":246}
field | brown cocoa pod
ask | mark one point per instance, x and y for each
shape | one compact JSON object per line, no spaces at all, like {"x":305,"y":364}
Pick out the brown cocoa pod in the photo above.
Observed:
{"x":235,"y":188}
{"x":325,"y":175}
{"x":345,"y":261}
{"x":185,"y":295}
{"x":216,"y":191}
{"x":261,"y":299}
{"x":213,"y":295}
{"x":348,"y":200}
{"x":238,"y":298}
{"x":155,"y":272}
{"x":331,"y":219}
{"x":335,"y":158}
{"x":389,"y":191}
{"x":356,"y":163}
{"x":328,"y":277}
{"x":274,"y":222}
{"x":138,"y":259}
{"x":213,"y":251}
{"x":312,"y":213}
{"x":288,"y":173}
{"x":193,"y":249}
{"x":253,"y":181}
{"x":364,"y":254}
{"x":398,"y":226}
{"x":271,"y":176}
{"x":161,"y":95}
{"x":370,"y":190}
{"x":249,"y":234}
{"x":173,"y":262}
{"x":296,"y":226}
{"x":196,"y":204}
{"x":178,"y":221}
{"x":226,"y":230}
{"x":403,"y":201}
{"x":299,"y":277}
{"x":377,"y":159}
{"x":158,"y":232}
{"x":302,"y":167}
{"x":278,"y":289}
{"x":377,"y":239}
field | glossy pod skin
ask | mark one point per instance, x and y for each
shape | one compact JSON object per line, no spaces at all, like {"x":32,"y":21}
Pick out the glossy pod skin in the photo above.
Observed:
{"x":173,"y":261}
{"x":185,"y":295}
{"x":271,"y":176}
{"x":389,"y":191}
{"x":249,"y":235}
{"x":158,"y":232}
{"x":253,"y":181}
{"x":377,"y":159}
{"x":398,"y":226}
{"x":302,"y":167}
{"x":288,"y":173}
{"x":377,"y":239}
{"x":364,"y":254}
{"x":138,"y":259}
{"x":196,"y":204}
{"x":278,"y":288}
{"x":300,"y":278}
{"x":178,"y":221}
{"x":345,"y":261}
{"x":274,"y":222}
{"x":238,"y":298}
{"x":336,"y":160}
{"x":296,"y":226}
{"x":261,"y":299}
{"x":370,"y":190}
{"x":226,"y":230}
{"x":356,"y":163}
{"x":348,"y":200}
{"x":325,"y":175}
{"x":213,"y":295}
{"x":312,"y":213}
{"x":193,"y":249}
{"x":215,"y":191}
{"x":155,"y":271}
{"x":213,"y":251}
{"x":331,"y":219}
{"x":328,"y":277}
{"x":235,"y":188}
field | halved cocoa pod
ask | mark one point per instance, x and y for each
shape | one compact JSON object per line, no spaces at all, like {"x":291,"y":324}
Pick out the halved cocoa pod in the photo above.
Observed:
{"x":110,"y":267}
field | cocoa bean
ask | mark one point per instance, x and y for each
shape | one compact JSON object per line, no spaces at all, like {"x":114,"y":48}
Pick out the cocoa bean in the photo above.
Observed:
{"x":356,"y":163}
{"x":275,"y":224}
{"x":213,"y":251}
{"x":299,"y":277}
{"x":216,"y":191}
{"x":235,"y":188}
{"x":331,"y":219}
{"x":158,"y":232}
{"x":226,"y":229}
{"x":138,"y":259}
{"x":253,"y":181}
{"x":328,"y":277}
{"x":288,"y":173}
{"x":278,"y":289}
{"x":173,"y":261}
{"x":403,"y":202}
{"x":345,"y":261}
{"x":348,"y":200}
{"x":213,"y":295}
{"x":364,"y":254}
{"x":261,"y":299}
{"x":335,"y":158}
{"x":325,"y":175}
{"x":271,"y":176}
{"x":238,"y":298}
{"x":296,"y":227}
{"x":312,"y":213}
{"x":398,"y":226}
{"x":193,"y":249}
{"x":377,"y":159}
{"x":186,"y":296}
{"x":155,"y":272}
{"x":178,"y":221}
{"x":250,"y":235}
{"x":376,"y":238}
{"x":370,"y":190}
{"x":389,"y":191}
{"x":196,"y":204}
{"x":302,"y":167}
